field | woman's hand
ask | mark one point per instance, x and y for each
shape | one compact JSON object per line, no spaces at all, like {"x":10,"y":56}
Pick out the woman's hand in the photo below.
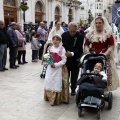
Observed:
{"x":107,"y":53}
{"x":86,"y":50}
{"x":104,"y":54}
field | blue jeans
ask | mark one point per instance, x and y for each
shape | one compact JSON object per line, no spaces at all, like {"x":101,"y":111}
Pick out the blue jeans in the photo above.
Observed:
{"x":3,"y":55}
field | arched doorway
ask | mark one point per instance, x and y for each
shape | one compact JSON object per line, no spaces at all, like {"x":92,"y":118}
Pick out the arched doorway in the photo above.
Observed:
{"x":70,"y":15}
{"x":38,"y":12}
{"x":57,"y":14}
{"x":10,"y":12}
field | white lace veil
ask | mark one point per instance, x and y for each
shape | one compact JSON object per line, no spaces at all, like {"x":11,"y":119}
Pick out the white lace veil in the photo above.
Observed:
{"x":107,"y":28}
{"x":54,"y":27}
{"x":52,"y":32}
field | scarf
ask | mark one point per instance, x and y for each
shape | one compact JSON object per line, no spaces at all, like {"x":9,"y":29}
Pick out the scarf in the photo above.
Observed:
{"x":22,"y":36}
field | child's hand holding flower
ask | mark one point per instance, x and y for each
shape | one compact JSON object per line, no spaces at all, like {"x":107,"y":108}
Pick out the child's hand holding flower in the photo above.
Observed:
{"x":48,"y":59}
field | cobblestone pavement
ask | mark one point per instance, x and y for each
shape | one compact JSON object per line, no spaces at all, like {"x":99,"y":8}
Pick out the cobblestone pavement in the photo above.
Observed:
{"x":21,"y":97}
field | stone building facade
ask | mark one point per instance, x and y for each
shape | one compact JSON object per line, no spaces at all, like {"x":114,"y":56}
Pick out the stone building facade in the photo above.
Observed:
{"x":97,"y":7}
{"x":39,"y":10}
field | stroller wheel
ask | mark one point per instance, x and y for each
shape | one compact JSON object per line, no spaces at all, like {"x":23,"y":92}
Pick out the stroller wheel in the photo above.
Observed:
{"x":98,"y":113}
{"x":44,"y":76}
{"x":41,"y":75}
{"x":109,"y":100}
{"x":79,"y":112}
{"x":77,"y":98}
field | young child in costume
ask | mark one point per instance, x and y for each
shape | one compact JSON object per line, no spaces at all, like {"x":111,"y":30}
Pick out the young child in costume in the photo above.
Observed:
{"x":53,"y":78}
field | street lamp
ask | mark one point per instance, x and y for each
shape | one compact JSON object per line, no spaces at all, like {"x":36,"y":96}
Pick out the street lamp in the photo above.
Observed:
{"x":24,"y":7}
{"x":69,"y":5}
{"x":90,"y":18}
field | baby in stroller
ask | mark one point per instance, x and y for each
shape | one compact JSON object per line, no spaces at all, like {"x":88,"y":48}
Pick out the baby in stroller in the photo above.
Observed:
{"x":92,"y":83}
{"x":98,"y":81}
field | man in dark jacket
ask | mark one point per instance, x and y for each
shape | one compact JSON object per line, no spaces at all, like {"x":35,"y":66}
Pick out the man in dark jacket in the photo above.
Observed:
{"x":73,"y":43}
{"x":13,"y":44}
{"x":3,"y":46}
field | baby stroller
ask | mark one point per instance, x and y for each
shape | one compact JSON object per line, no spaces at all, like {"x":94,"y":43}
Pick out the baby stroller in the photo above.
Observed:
{"x":92,"y":98}
{"x":42,"y":75}
{"x":45,"y":64}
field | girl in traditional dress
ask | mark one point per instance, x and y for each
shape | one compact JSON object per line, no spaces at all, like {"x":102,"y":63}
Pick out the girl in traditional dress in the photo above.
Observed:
{"x":100,"y":37}
{"x":53,"y":79}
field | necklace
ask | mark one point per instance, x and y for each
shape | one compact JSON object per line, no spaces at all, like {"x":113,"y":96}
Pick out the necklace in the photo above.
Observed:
{"x":99,"y":31}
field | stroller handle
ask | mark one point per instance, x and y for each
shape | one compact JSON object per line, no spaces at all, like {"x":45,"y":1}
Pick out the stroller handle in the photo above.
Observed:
{"x":91,"y":74}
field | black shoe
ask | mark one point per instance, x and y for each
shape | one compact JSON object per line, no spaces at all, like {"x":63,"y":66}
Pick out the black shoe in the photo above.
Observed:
{"x":20,"y":63}
{"x":73,"y":92}
{"x":13,"y":67}
{"x":16,"y":65}
{"x":5,"y":68}
{"x":2,"y":70}
{"x":25,"y":62}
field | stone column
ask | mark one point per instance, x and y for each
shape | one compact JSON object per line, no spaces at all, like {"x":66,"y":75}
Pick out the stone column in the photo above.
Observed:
{"x":50,"y":8}
{"x":46,"y":11}
{"x":29,"y":13}
{"x":1,"y":10}
{"x":33,"y":3}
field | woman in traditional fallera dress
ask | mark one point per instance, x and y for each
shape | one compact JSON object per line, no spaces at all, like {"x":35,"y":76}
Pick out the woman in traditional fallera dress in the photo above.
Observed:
{"x":56,"y":86}
{"x":100,"y":37}
{"x":56,"y":29}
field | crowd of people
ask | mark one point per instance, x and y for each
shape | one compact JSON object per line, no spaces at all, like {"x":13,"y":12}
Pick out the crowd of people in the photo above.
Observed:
{"x":69,"y":43}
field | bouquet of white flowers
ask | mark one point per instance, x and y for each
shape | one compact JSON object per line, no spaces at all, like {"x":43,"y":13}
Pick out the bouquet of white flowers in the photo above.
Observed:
{"x":48,"y":58}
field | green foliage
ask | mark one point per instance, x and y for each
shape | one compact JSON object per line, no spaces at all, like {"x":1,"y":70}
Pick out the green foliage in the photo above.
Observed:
{"x":81,"y":22}
{"x":23,"y":7}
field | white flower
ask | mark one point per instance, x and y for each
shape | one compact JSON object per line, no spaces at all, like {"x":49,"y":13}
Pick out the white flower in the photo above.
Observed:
{"x":46,"y":56}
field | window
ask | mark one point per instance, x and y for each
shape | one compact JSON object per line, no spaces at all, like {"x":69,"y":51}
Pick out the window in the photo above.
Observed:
{"x":100,"y":6}
{"x":9,"y":2}
{"x":97,"y":6}
{"x":38,"y":7}
{"x":57,"y":11}
{"x":82,"y":7}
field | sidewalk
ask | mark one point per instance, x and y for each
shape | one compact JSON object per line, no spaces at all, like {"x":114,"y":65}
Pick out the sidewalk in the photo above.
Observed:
{"x":21,"y":97}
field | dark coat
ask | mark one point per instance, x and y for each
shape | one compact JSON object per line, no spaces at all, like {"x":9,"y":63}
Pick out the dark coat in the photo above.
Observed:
{"x":13,"y":39}
{"x":73,"y":44}
{"x":3,"y":36}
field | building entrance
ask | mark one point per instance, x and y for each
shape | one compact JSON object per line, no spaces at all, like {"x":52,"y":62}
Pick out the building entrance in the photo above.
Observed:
{"x":10,"y":12}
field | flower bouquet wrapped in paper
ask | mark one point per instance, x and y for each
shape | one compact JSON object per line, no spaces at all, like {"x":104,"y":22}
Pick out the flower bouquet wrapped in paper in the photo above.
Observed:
{"x":48,"y":58}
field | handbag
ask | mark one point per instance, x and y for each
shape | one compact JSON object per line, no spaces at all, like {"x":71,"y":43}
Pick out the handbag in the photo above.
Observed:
{"x":20,"y":45}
